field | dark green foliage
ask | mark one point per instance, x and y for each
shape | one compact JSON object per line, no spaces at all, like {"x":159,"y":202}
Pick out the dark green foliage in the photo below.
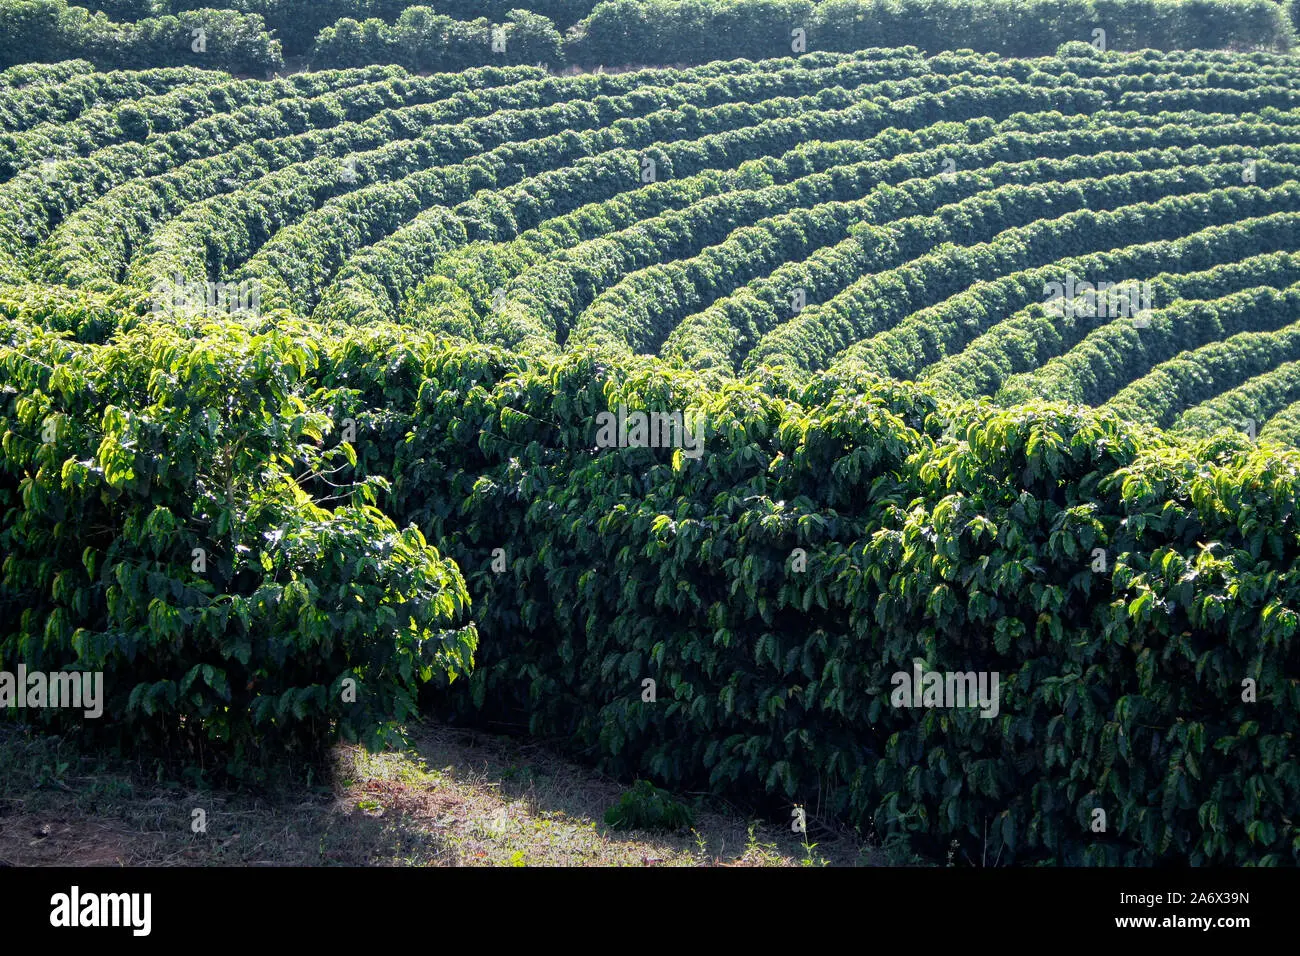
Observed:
{"x":425,"y":40}
{"x":667,"y":31}
{"x":48,"y":30}
{"x":646,"y":807}
{"x":123,"y":9}
{"x":972,"y":553}
{"x":295,"y":23}
{"x":155,"y":526}
{"x":1121,"y":689}
{"x":251,"y":36}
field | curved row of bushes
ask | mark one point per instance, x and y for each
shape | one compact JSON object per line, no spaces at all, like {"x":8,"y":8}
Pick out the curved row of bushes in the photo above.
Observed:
{"x":61,"y":93}
{"x":1070,"y":355}
{"x":646,"y":308}
{"x":36,"y":200}
{"x":449,"y":163}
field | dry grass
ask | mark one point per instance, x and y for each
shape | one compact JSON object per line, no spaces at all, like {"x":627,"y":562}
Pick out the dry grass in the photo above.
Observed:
{"x":456,"y":798}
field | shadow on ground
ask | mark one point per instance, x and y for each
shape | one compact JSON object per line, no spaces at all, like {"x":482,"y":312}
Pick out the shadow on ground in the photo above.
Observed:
{"x":455,"y":798}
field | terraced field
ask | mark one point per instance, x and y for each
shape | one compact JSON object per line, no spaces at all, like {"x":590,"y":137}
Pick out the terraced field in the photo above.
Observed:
{"x":997,"y":360}
{"x":886,"y":211}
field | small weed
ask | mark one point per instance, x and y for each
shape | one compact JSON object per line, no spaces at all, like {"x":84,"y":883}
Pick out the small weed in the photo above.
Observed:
{"x":810,"y":858}
{"x":646,"y":807}
{"x":898,"y":851}
{"x":54,"y":776}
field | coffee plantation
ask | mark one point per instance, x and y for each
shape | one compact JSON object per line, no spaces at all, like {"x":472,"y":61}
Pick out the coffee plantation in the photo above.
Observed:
{"x":669,"y":414}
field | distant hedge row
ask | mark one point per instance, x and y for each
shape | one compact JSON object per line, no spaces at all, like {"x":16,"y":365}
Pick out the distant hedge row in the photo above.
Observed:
{"x":51,"y":30}
{"x":423,"y":41}
{"x":296,"y":23}
{"x":1137,"y":598}
{"x":647,"y":31}
{"x":454,"y":35}
{"x":651,"y":32}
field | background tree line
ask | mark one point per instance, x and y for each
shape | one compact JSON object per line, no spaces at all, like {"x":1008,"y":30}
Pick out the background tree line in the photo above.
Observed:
{"x":254,"y":36}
